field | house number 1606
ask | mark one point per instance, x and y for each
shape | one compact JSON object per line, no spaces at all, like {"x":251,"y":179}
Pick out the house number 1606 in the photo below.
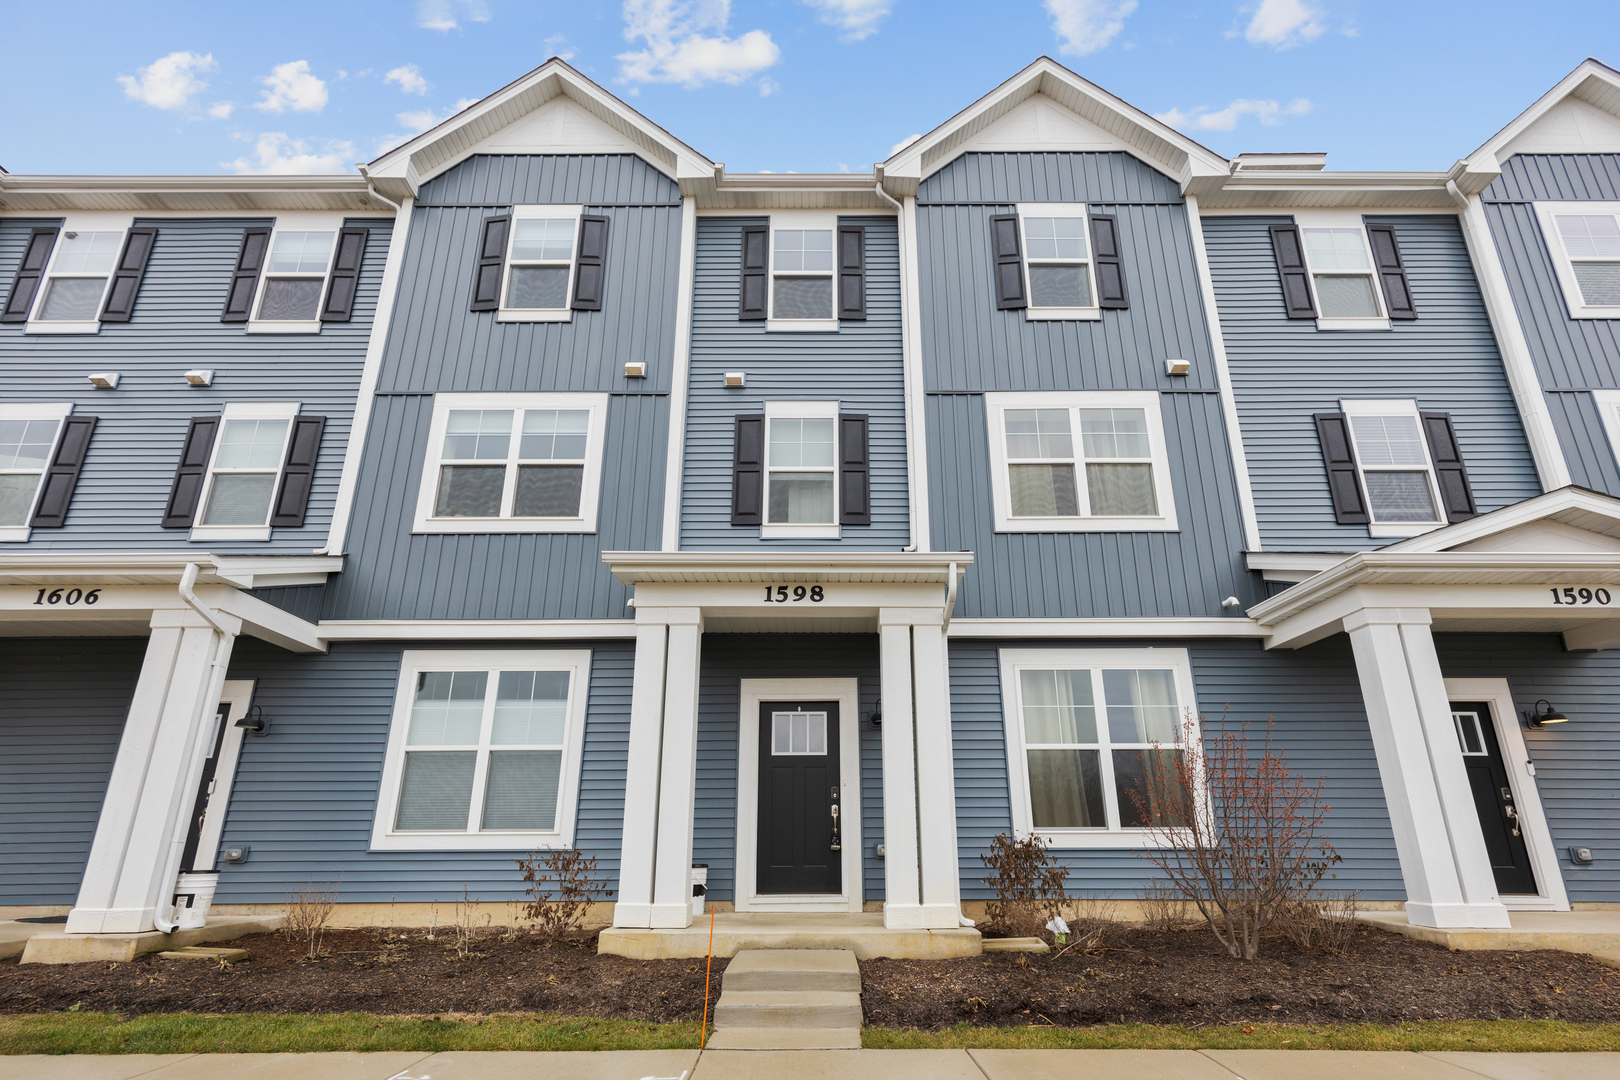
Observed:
{"x":69,"y":596}
{"x":780,"y":594}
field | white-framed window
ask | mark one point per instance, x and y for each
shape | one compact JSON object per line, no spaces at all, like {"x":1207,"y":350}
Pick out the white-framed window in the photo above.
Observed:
{"x":70,"y":296}
{"x":292,"y":283}
{"x":505,"y":463}
{"x":801,"y":470}
{"x":1584,"y":239}
{"x":1085,"y":729}
{"x":803,"y":285}
{"x":1079,"y":462}
{"x":540,"y":250}
{"x":1339,"y":258}
{"x":28,"y":437}
{"x":484,"y":751}
{"x":1060,"y":276}
{"x":244,"y":471}
{"x":1397,"y":471}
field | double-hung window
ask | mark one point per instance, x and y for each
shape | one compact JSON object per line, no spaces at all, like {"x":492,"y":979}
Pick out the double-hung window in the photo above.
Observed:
{"x":1079,"y":462}
{"x":802,"y":264}
{"x":1093,"y":739}
{"x":28,"y":436}
{"x":484,"y":751}
{"x":1343,"y":276}
{"x":244,"y":471}
{"x":1397,"y":471}
{"x":540,"y":264}
{"x":1585,"y":241}
{"x":512,"y":463}
{"x":801,"y":469}
{"x":294,"y":279}
{"x":69,"y":292}
{"x":1058,"y":261}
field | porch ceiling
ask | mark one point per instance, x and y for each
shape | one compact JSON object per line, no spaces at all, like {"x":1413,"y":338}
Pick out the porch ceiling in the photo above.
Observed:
{"x":898,"y":567}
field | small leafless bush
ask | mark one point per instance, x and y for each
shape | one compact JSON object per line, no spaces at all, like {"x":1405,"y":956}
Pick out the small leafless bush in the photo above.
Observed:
{"x":309,"y":909}
{"x":1164,"y":909}
{"x":1325,"y":922}
{"x":466,"y":925}
{"x":1029,"y":886}
{"x":561,"y":886}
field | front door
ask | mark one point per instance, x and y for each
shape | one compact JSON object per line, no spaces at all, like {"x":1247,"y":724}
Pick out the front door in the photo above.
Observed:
{"x":799,"y":834}
{"x":1493,"y":797}
{"x":205,"y":788}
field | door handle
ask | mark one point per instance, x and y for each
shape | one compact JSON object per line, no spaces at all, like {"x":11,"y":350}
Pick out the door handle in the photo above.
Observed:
{"x":836,"y":846}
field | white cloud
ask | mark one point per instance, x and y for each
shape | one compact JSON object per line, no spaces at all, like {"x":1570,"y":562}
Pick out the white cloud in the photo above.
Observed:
{"x":903,"y":143}
{"x":1269,"y":113}
{"x":291,"y":86}
{"x":558,"y":45}
{"x":409,"y":78}
{"x":1283,"y":24}
{"x":678,"y":50}
{"x":1088,"y":25}
{"x":221,"y":110}
{"x":278,"y":154}
{"x":441,"y":14}
{"x":169,"y":82}
{"x":422,"y":119}
{"x":856,"y":18}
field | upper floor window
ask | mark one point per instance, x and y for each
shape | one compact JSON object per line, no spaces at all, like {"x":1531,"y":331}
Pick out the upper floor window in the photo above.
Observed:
{"x":295,"y":276}
{"x":540,"y":264}
{"x":80,"y":269}
{"x":1395,"y":469}
{"x":42,"y":448}
{"x":802,"y":281}
{"x":1079,"y":462}
{"x":1585,"y":241}
{"x":513,"y":463}
{"x":1344,"y":273}
{"x":1057,"y":261}
{"x":802,"y":272}
{"x":801,"y":470}
{"x":76,"y":276}
{"x":245,"y":471}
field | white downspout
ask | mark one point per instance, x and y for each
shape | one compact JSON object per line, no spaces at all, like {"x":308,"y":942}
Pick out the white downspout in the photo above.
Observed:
{"x":679,"y":377}
{"x":917,"y":503}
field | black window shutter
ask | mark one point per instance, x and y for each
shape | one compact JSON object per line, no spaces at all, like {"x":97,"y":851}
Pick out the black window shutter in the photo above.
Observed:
{"x":1455,"y":491}
{"x":351,"y":252}
{"x":249,"y":261}
{"x":1344,"y":483}
{"x":190,"y":473}
{"x":1296,"y":279}
{"x":63,"y":475}
{"x":1391,"y":272}
{"x":486,"y":295}
{"x":590,"y":267}
{"x":851,"y":272}
{"x":748,"y":471}
{"x":854,"y":470}
{"x":126,"y":279}
{"x":756,"y":264}
{"x":1009,"y":262}
{"x":1105,"y":252}
{"x":298,"y":472}
{"x":23,"y":287}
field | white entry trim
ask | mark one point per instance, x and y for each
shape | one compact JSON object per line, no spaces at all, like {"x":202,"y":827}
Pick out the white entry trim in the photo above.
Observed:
{"x":1522,"y":778}
{"x":847,"y":693}
{"x":238,"y":694}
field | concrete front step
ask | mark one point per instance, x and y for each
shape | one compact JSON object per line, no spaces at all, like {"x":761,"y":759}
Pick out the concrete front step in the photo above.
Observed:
{"x":786,"y":1039}
{"x":793,"y":969}
{"x":787,"y":1009}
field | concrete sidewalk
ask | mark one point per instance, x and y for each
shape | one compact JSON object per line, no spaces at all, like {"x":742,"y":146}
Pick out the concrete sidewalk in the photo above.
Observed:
{"x":831,"y":1064}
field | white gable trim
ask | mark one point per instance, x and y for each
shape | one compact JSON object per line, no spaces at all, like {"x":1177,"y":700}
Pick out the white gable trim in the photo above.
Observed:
{"x":1571,"y":506}
{"x":1594,"y":83}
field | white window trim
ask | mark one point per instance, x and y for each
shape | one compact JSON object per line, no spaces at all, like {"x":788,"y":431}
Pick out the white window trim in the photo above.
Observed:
{"x":1065,"y":210}
{"x":1545,"y":212}
{"x":1001,"y":491}
{"x":1012,"y":661}
{"x":543,"y":212}
{"x":237,"y":410}
{"x":800,"y":410}
{"x":332,"y":223}
{"x":1393,"y":407}
{"x":590,"y":489}
{"x":80,"y":222}
{"x":575,"y":661}
{"x":799,"y":219}
{"x":1342,"y":219}
{"x":1608,"y":406}
{"x":58,"y":411}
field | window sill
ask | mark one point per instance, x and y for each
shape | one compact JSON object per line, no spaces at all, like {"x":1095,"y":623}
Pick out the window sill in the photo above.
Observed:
{"x":1574,"y":313}
{"x":1062,"y":525}
{"x":504,"y":525}
{"x":1352,"y":324}
{"x":91,"y":326}
{"x":801,"y":326}
{"x":798,"y":532}
{"x":561,"y":315}
{"x":230,"y":532}
{"x":1056,"y":314}
{"x":1109,"y":839}
{"x":464,"y":841}
{"x":1393,"y":531}
{"x":14,"y":534}
{"x":255,"y":326}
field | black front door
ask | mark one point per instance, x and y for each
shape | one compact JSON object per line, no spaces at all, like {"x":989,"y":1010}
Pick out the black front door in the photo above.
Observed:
{"x":1493,"y":797}
{"x":799,"y":834}
{"x":205,"y":788}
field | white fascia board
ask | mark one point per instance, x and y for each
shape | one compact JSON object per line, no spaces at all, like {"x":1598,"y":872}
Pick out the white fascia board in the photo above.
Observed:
{"x":1197,"y":627}
{"x":175,"y":196}
{"x":1313,"y":562}
{"x":1511,"y":517}
{"x":268,"y":622}
{"x":475,"y":629}
{"x":1579,"y":83}
{"x":266,"y":571}
{"x":631,"y":567}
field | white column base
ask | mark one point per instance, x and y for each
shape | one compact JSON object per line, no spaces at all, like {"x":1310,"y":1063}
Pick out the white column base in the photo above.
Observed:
{"x":940,"y":916}
{"x":903,"y":917}
{"x":669,"y":916}
{"x":1458,"y":916}
{"x":632,"y":916}
{"x":110,"y":920}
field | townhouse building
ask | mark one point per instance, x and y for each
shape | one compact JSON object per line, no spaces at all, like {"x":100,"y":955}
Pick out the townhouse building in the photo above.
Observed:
{"x":547,"y":486}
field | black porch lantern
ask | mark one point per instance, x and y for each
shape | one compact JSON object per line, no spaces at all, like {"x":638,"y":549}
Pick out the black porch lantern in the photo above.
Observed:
{"x":1540,"y":717}
{"x":255,"y":721}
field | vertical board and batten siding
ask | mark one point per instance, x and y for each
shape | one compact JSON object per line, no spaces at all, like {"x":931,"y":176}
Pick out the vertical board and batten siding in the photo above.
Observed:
{"x":1578,"y":763}
{"x":305,"y":797}
{"x":1284,"y":370}
{"x":436,"y":345}
{"x":118,"y":503}
{"x":859,"y":366}
{"x":62,"y":707}
{"x":727,"y":660}
{"x":1572,"y":356}
{"x":1313,"y":694}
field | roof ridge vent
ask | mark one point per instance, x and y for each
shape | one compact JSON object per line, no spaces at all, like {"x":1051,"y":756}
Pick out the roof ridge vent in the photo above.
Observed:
{"x":1312,"y":162}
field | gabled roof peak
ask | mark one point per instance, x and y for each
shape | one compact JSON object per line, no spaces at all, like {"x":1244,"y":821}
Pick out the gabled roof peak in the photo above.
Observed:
{"x":1593,"y":83}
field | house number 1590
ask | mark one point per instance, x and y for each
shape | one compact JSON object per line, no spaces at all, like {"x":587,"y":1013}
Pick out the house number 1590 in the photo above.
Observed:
{"x":1580,"y":596}
{"x":780,"y":594}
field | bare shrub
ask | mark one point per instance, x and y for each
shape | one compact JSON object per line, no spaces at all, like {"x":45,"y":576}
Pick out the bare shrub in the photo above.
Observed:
{"x":1092,"y":920}
{"x":1249,"y":851}
{"x":465,"y":927}
{"x":561,"y":886}
{"x":1164,"y":908}
{"x":1029,"y":886}
{"x":309,"y":909}
{"x":1325,"y":922}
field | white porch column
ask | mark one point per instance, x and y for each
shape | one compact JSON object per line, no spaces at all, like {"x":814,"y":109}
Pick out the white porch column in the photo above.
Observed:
{"x":902,"y":906}
{"x":936,"y":777}
{"x":150,"y":793}
{"x":677,"y":784}
{"x":639,"y":844}
{"x":1431,"y":808}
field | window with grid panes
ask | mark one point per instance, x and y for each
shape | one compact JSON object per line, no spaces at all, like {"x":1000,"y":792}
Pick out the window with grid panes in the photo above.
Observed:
{"x":295,"y":275}
{"x":80,"y":267}
{"x":802,"y":274}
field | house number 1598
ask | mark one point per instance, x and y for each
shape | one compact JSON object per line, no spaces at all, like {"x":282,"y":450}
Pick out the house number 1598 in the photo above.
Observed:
{"x":780,"y":594}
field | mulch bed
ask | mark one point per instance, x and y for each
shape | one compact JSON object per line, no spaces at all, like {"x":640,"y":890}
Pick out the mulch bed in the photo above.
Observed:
{"x":1175,"y":977}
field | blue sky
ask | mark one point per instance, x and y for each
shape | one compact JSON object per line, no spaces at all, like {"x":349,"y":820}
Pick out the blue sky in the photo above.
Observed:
{"x":784,"y":85}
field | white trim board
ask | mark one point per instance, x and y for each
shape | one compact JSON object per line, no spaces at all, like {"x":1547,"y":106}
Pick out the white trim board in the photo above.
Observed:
{"x":752,"y":692}
{"x":238,"y":693}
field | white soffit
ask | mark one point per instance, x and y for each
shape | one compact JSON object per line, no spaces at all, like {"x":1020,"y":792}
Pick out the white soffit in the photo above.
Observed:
{"x":558,"y":127}
{"x":1041,"y":124}
{"x":1576,"y":116}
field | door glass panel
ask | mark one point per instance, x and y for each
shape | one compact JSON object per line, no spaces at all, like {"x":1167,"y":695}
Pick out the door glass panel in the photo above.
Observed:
{"x":798,"y":733}
{"x":1469,"y":736}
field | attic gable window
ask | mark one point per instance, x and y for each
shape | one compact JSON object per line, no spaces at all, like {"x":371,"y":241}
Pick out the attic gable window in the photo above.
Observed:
{"x":1584,"y":239}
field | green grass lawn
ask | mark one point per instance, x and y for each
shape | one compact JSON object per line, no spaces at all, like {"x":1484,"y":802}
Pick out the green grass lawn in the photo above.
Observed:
{"x":193,"y":1033}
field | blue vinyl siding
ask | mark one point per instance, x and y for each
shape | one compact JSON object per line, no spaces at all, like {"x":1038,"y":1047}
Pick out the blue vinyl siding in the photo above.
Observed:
{"x":859,"y":366}
{"x":1588,"y":450}
{"x":1284,"y":370}
{"x":121,"y":493}
{"x":62,"y":707}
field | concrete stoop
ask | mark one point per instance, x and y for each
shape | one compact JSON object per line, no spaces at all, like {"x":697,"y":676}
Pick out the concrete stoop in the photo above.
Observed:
{"x":56,"y":946}
{"x":733,"y":932}
{"x":789,"y":999}
{"x":1595,"y":933}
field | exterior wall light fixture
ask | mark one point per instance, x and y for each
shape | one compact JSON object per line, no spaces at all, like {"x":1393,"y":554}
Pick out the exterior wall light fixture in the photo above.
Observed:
{"x":1175,"y":366}
{"x":1540,"y":717}
{"x":736,"y":378}
{"x":255,"y":721}
{"x":877,"y":713}
{"x":201,"y":377}
{"x":104,"y":380}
